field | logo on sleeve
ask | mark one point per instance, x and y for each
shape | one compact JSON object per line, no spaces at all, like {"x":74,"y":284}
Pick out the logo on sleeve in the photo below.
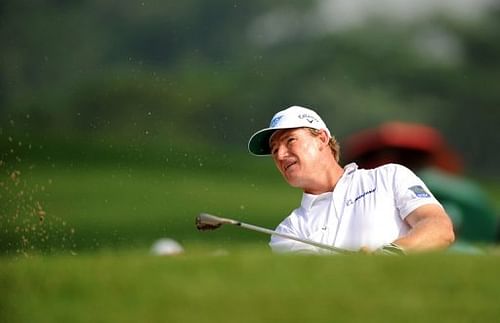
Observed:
{"x":419,"y":191}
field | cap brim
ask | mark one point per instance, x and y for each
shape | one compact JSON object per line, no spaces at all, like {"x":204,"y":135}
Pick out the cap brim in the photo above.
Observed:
{"x":259,"y":142}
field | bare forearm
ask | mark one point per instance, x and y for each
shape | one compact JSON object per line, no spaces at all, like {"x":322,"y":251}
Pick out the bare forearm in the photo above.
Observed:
{"x":427,"y":235}
{"x":428,"y":232}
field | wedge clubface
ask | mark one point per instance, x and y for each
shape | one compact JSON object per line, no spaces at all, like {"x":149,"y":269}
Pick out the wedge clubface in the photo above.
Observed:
{"x":205,"y":221}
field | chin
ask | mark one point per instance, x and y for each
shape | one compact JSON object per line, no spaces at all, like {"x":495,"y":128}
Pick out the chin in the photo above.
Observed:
{"x":293,"y":182}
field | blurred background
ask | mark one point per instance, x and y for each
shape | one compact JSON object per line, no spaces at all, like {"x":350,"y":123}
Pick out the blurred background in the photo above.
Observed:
{"x":120,"y":121}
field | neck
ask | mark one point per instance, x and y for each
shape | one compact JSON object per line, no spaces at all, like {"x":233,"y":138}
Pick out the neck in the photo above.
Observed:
{"x":327,"y":182}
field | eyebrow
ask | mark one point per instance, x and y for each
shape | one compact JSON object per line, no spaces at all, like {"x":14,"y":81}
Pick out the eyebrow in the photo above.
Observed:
{"x":278,"y":133}
{"x":273,"y":140}
{"x":278,"y":137}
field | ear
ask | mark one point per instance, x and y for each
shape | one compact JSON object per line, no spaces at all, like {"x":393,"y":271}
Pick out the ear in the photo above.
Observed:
{"x":324,"y":138}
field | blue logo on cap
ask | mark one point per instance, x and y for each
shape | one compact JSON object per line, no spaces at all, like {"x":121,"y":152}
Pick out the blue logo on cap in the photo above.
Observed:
{"x":275,"y":121}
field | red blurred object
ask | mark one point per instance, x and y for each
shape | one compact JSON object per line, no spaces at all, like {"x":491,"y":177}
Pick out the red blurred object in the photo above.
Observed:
{"x":414,"y":145}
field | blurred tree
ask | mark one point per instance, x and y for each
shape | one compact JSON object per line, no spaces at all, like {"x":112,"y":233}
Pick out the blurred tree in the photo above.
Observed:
{"x":222,"y":68}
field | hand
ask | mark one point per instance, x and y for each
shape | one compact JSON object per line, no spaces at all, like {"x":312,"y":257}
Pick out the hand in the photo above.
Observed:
{"x":388,"y":249}
{"x":391,"y":249}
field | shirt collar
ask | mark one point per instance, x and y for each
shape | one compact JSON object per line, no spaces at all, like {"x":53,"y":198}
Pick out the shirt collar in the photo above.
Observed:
{"x":309,"y":199}
{"x":349,"y":169}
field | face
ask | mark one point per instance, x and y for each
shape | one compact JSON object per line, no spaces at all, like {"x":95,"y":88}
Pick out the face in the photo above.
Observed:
{"x":298,"y":155}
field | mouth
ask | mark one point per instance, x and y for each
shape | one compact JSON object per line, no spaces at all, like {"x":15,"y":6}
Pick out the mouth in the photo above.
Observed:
{"x":288,"y":165}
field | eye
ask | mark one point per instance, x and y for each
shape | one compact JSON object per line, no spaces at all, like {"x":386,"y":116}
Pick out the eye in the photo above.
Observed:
{"x":290,"y":140}
{"x":274,"y":148}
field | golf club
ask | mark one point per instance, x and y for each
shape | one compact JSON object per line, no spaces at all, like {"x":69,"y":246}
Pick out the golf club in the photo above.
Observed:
{"x":205,"y":221}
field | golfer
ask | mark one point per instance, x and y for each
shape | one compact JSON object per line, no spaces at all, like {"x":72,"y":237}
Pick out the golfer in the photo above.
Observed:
{"x":387,"y":209}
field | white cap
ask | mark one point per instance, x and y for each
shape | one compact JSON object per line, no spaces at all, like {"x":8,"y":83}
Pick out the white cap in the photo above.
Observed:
{"x":292,"y":117}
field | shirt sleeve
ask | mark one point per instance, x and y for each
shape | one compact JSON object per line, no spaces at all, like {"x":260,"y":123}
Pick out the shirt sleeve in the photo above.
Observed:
{"x":410,"y":191}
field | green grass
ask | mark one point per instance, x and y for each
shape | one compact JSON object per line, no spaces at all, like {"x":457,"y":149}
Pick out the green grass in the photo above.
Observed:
{"x":75,"y":237}
{"x":122,"y":206}
{"x":248,"y":284}
{"x":99,"y":195}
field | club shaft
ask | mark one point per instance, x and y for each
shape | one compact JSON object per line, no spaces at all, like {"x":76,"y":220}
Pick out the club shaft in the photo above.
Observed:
{"x":291,"y":237}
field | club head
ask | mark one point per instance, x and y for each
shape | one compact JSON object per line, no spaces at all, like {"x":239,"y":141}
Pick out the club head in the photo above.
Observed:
{"x":205,"y":221}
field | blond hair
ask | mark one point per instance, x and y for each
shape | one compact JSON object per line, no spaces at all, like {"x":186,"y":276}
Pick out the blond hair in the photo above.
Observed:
{"x":333,"y":143}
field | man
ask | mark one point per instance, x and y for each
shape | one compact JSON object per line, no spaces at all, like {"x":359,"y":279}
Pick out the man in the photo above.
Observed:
{"x":386,"y":209}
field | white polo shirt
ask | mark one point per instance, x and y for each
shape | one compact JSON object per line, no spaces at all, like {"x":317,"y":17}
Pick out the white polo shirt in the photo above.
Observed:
{"x":367,"y":208}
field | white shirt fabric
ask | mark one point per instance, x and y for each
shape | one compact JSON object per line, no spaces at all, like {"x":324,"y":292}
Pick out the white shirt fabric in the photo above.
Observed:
{"x":367,"y":208}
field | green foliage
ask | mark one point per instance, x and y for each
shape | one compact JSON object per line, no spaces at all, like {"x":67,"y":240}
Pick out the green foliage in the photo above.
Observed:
{"x":212,"y":71}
